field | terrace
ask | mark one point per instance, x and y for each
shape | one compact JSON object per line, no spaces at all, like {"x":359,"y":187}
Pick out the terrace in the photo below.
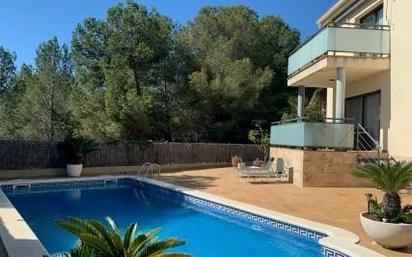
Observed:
{"x":332,"y":207}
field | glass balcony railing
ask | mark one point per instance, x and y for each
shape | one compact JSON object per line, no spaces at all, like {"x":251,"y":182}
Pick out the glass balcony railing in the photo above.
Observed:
{"x":346,"y":39}
{"x":313,"y":134}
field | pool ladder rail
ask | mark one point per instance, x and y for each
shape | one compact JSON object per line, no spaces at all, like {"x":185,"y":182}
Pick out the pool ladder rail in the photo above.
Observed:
{"x":149,"y":169}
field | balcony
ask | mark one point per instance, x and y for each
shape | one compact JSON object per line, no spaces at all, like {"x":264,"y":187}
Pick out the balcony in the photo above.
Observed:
{"x":350,"y":41}
{"x":304,"y":134}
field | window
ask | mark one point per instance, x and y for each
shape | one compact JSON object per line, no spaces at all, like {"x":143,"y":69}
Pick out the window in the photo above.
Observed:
{"x":373,"y":18}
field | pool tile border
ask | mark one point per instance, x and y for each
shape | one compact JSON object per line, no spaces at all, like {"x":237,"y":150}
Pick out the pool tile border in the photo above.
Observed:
{"x":335,"y":242}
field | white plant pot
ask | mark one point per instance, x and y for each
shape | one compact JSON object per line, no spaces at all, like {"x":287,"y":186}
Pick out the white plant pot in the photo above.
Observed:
{"x":389,"y":235}
{"x":74,"y":170}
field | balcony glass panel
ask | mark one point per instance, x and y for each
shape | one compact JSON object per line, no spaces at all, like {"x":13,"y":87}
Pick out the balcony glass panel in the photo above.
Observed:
{"x":313,"y":134}
{"x":340,"y":40}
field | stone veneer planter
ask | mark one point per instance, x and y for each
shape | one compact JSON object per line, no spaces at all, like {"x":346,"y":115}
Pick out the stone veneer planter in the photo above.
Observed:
{"x":321,"y":168}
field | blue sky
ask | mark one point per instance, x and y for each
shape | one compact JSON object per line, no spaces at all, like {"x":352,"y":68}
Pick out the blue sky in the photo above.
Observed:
{"x":24,"y":24}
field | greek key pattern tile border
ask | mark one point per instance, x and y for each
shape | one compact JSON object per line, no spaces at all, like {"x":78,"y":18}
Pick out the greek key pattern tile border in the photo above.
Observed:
{"x":304,"y":232}
{"x":328,"y":252}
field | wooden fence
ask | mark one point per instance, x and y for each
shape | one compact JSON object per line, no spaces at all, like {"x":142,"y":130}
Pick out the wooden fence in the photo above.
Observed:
{"x":41,"y":155}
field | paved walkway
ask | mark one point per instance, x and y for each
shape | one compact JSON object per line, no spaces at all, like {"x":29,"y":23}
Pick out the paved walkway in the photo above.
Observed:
{"x":334,"y":206}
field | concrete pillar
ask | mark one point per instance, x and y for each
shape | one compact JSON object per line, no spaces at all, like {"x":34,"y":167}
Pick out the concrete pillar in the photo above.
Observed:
{"x":340,"y":94}
{"x":330,"y":103}
{"x":301,"y":101}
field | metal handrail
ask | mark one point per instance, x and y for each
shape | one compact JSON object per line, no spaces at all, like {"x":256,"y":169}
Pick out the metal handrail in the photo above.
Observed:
{"x":366,"y":141}
{"x":324,"y":120}
{"x":358,"y":26}
{"x":360,"y":130}
{"x":364,"y":131}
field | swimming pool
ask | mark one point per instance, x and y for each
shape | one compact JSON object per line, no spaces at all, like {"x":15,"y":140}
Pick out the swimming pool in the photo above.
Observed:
{"x":210,"y":229}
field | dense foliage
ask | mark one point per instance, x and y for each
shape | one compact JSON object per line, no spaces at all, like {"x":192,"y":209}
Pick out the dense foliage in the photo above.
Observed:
{"x":98,"y":241}
{"x":390,"y":178}
{"x":314,"y":106}
{"x":137,"y":75}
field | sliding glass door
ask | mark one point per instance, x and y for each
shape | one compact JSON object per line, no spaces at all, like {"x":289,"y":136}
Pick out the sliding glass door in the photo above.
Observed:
{"x":365,"y":110}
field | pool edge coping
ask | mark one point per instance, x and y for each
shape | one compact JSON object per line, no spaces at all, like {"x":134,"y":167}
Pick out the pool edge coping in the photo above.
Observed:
{"x":337,"y":239}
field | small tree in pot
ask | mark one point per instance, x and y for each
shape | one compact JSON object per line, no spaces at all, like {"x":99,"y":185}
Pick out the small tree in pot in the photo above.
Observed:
{"x":387,"y":222}
{"x":261,"y":139}
{"x":74,"y":149}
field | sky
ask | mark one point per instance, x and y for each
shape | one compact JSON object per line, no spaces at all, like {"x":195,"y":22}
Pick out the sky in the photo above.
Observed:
{"x":24,"y":24}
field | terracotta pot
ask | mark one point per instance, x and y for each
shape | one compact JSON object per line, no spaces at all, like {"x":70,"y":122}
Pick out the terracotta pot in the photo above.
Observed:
{"x":235,"y":162}
{"x":389,"y":235}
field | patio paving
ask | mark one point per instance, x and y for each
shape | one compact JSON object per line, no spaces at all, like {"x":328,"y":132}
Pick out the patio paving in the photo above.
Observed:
{"x":334,"y":206}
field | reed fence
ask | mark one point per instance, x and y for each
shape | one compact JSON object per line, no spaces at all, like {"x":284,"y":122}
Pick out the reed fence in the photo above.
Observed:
{"x":42,"y":155}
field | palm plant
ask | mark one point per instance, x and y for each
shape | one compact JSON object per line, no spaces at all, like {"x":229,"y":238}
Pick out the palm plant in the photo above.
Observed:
{"x":109,"y":243}
{"x":390,"y":178}
{"x":81,"y":250}
{"x":75,"y":148}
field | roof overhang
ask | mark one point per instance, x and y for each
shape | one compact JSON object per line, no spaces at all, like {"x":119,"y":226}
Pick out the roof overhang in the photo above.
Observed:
{"x":335,"y":10}
{"x":323,"y":72}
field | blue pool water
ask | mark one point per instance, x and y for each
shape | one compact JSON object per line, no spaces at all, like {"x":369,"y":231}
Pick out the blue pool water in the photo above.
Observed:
{"x":207,"y":233}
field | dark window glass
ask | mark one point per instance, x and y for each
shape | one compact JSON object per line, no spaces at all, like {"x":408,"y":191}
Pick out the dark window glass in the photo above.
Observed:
{"x":373,"y":18}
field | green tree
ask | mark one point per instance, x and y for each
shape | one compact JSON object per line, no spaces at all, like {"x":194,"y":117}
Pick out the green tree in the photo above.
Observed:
{"x":102,"y":242}
{"x":127,"y":77}
{"x":170,"y":113}
{"x":10,"y":106}
{"x":90,"y":55}
{"x":45,"y":109}
{"x":239,"y":70}
{"x":7,"y":69}
{"x":277,"y":41}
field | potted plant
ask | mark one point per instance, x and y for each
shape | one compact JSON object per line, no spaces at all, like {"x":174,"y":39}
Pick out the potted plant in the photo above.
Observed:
{"x":387,"y":222}
{"x":236,"y":160}
{"x":74,"y":149}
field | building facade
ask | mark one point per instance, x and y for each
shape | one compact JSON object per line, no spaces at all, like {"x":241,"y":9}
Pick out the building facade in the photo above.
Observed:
{"x":362,"y":55}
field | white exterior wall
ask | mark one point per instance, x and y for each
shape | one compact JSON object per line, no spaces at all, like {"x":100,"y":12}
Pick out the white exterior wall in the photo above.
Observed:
{"x":399,"y":13}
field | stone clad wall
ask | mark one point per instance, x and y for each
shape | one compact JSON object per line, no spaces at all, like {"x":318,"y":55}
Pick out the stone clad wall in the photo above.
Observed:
{"x":292,"y":159}
{"x":320,"y":168}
